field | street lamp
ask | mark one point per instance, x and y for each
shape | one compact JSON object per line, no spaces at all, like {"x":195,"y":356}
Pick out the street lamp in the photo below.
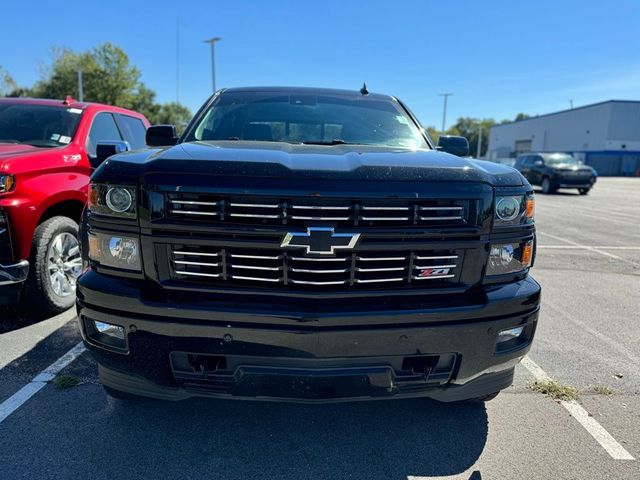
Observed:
{"x":213,"y":41}
{"x":444,"y":109}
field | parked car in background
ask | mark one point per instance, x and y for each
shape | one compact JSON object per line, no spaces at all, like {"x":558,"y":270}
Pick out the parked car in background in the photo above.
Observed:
{"x":509,"y":162}
{"x":552,"y":171}
{"x":47,"y":153}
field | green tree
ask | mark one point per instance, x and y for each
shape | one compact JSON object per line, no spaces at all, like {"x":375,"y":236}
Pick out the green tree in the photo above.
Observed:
{"x":433,"y":133}
{"x":7,"y":83}
{"x":107,"y":77}
{"x":470,"y":129}
{"x":173,"y":114}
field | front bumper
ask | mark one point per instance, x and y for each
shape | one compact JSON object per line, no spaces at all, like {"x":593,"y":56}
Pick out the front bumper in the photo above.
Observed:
{"x":11,"y":280}
{"x":176,"y":351}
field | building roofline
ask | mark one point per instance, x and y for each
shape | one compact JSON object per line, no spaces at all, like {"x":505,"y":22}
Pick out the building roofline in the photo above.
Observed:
{"x":565,"y":111}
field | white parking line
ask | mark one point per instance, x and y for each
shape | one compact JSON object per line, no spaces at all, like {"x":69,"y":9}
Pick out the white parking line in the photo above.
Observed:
{"x":14,"y":402}
{"x":587,"y":247}
{"x":597,"y":431}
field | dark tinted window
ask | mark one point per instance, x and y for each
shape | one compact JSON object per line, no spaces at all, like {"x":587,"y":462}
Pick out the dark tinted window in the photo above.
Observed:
{"x":298,"y":118}
{"x":134,"y":131}
{"x":103,"y":129}
{"x":38,"y":125}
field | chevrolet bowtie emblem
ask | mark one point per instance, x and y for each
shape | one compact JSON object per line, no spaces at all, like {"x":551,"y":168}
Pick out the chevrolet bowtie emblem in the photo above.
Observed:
{"x":319,"y":240}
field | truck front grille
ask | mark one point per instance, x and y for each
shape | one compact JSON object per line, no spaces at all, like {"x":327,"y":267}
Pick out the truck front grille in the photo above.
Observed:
{"x":277,"y":268}
{"x":264,"y":211}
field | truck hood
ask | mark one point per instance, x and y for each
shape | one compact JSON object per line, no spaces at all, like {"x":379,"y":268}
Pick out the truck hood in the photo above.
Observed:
{"x":284,"y":160}
{"x":13,"y":149}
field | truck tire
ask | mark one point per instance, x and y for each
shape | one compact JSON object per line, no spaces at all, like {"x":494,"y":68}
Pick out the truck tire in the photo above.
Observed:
{"x":54,"y":266}
{"x":547,"y":186}
{"x":584,"y":191}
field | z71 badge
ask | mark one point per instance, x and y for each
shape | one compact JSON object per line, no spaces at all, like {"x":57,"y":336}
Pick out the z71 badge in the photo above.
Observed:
{"x":434,"y":273}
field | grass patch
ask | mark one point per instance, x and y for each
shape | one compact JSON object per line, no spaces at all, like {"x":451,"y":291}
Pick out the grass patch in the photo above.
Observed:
{"x":65,"y":381}
{"x":555,"y":390}
{"x":604,"y":390}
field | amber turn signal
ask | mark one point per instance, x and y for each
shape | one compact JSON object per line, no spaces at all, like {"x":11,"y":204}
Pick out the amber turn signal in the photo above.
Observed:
{"x":527,"y":254}
{"x":531,"y":206}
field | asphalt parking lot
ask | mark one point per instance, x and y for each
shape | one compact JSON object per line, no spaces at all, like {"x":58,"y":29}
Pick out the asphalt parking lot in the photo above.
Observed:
{"x":588,"y":338}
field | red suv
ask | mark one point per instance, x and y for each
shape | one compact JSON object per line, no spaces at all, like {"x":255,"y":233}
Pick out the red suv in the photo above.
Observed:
{"x":48,"y":149}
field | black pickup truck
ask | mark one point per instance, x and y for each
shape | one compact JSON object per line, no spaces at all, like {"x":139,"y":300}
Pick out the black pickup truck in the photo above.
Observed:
{"x":306,"y":245}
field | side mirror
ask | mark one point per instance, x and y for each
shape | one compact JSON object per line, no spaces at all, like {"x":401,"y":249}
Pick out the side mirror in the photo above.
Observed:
{"x":454,"y":145}
{"x":538,"y":163}
{"x":161,"y":135}
{"x":105,"y":150}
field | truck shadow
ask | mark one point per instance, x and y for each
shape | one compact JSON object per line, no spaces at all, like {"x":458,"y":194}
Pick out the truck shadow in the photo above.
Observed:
{"x":374,"y":440}
{"x":202,"y":438}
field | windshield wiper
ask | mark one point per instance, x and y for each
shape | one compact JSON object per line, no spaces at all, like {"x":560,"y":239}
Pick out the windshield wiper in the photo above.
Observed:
{"x":335,"y":141}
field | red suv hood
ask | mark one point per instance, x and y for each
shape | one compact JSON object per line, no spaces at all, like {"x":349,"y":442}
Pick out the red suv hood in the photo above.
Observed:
{"x":11,"y":149}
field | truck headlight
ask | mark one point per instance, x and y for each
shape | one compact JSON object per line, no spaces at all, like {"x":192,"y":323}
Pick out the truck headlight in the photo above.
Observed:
{"x":7,"y":182}
{"x":112,"y":200}
{"x":510,"y":257}
{"x":514,"y":209}
{"x":115,"y":251}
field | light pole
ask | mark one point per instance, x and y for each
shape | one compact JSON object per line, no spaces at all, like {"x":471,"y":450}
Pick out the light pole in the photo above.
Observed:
{"x":444,"y":109}
{"x":213,"y":41}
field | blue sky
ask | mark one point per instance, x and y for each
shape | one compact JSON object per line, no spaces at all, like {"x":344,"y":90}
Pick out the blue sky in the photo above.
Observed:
{"x":498,"y":57}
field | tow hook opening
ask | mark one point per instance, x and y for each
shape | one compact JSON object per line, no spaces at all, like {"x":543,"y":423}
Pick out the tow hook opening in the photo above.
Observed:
{"x":204,"y":364}
{"x":420,"y":365}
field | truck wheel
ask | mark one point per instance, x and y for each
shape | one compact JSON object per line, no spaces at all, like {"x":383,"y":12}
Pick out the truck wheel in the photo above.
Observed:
{"x":584,"y":191}
{"x":547,"y":187}
{"x":55,"y":266}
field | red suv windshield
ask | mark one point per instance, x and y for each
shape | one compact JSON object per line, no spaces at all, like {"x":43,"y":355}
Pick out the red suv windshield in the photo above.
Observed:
{"x":38,"y":125}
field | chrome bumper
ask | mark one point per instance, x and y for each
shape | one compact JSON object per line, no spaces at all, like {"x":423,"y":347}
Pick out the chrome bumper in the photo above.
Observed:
{"x":16,"y":273}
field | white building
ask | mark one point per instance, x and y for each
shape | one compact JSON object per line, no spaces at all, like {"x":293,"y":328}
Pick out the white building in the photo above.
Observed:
{"x":604,"y":135}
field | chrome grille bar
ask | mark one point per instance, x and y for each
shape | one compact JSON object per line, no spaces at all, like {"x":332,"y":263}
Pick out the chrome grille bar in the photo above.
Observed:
{"x":256,"y":279}
{"x":193,"y":202}
{"x":308,"y":282}
{"x":255,"y":205}
{"x":252,"y":215}
{"x":379,"y":280}
{"x":440,"y":208}
{"x":257,"y":257}
{"x":381,"y":259}
{"x":435,"y":266}
{"x":199,"y":274}
{"x":202,"y":264}
{"x":320,"y":219}
{"x":195,"y":212}
{"x":308,"y":270}
{"x":199,"y":254}
{"x":319,"y":207}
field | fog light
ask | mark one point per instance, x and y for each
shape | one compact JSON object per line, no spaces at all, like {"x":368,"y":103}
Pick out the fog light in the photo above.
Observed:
{"x":512,"y":339}
{"x":509,"y":334}
{"x":510,"y":258}
{"x":115,"y":251}
{"x":106,"y":334}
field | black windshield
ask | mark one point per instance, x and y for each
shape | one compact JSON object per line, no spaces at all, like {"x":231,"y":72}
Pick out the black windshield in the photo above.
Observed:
{"x":323,"y":119}
{"x":38,"y":125}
